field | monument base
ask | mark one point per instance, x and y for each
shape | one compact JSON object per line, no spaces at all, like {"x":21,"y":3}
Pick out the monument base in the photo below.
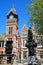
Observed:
{"x":32,"y":60}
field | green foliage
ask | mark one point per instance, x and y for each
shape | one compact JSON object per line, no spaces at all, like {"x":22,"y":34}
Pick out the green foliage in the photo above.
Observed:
{"x":35,"y":10}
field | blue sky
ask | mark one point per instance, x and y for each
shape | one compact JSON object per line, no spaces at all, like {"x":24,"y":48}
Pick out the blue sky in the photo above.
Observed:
{"x":21,"y":8}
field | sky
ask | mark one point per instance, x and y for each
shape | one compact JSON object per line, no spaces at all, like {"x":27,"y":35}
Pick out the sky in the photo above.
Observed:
{"x":21,"y":9}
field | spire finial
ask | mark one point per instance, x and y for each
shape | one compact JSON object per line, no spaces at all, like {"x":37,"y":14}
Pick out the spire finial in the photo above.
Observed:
{"x":13,"y":9}
{"x":24,"y":24}
{"x":12,"y":5}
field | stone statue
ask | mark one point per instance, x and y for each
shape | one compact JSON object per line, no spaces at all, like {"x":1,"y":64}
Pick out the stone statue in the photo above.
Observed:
{"x":30,"y":43}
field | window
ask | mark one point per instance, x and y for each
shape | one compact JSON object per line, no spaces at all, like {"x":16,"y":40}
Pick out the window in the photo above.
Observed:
{"x":24,"y":42}
{"x":10,"y":30}
{"x":8,"y":45}
{"x":24,"y":54}
{"x":9,"y":39}
{"x":41,"y":54}
{"x":1,"y":44}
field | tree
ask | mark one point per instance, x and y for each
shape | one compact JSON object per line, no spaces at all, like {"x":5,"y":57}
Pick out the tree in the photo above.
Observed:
{"x":35,"y":10}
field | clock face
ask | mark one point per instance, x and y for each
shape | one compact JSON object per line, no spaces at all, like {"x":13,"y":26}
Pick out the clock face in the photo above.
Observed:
{"x":11,"y":16}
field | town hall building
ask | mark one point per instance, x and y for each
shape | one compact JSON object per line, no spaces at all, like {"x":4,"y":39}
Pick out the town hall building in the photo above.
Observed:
{"x":12,"y":44}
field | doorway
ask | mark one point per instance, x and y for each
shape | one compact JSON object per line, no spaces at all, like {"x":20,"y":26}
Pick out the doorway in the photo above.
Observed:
{"x":9,"y":59}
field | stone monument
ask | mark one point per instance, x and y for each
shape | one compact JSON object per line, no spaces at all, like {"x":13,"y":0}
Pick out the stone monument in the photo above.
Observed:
{"x":31,"y":45}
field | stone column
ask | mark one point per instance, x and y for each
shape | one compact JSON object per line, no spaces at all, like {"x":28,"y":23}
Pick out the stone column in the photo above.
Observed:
{"x":13,"y":62}
{"x":14,"y":44}
{"x":21,"y":54}
{"x":27,"y":53}
{"x":4,"y":60}
{"x":4,"y":47}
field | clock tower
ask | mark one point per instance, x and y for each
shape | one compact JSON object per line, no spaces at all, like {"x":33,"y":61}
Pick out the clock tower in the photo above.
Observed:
{"x":11,"y":32}
{"x":12,"y":22}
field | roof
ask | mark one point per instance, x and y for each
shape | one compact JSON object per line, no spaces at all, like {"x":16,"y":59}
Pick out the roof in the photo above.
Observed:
{"x":25,"y":28}
{"x":12,"y":10}
{"x":2,"y":37}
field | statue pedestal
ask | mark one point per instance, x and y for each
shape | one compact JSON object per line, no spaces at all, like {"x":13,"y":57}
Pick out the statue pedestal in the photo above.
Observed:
{"x":32,"y":60}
